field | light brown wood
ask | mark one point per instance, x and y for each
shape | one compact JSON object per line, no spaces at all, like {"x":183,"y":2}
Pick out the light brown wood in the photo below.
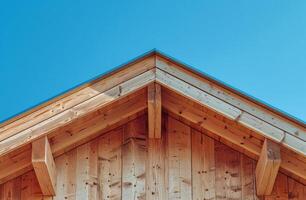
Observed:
{"x":15,"y":164}
{"x":203,"y":98}
{"x":110,"y":165}
{"x":154,"y":110}
{"x":134,"y":160}
{"x":99,"y":101}
{"x":230,"y":96}
{"x":179,"y":160}
{"x":228,"y":173}
{"x":90,"y":127}
{"x":98,"y":168}
{"x":76,"y":96}
{"x":155,"y":169}
{"x":44,"y":166}
{"x":228,"y":133}
{"x":87,"y":172}
{"x":267,"y":167}
{"x":71,"y":137}
{"x":30,"y":189}
{"x":203,"y":167}
{"x":297,"y":191}
{"x":280,"y":189}
{"x":196,"y":94}
{"x":248,"y":178}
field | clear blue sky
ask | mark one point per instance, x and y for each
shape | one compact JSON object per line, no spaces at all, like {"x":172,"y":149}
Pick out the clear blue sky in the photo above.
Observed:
{"x":47,"y":47}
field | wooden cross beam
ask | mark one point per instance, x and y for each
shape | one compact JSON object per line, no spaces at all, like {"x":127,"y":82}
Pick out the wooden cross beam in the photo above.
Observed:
{"x":44,"y":166}
{"x":154,"y":110}
{"x":267,"y":167}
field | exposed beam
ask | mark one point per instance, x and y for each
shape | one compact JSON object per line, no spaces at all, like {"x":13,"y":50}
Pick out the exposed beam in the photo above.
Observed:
{"x":74,"y":97}
{"x":222,"y":93}
{"x":232,"y":112}
{"x":15,"y":164}
{"x":154,"y":110}
{"x":99,"y":101}
{"x":197,"y":95}
{"x":44,"y":166}
{"x":79,"y":132}
{"x":179,"y":106}
{"x":267,"y":167}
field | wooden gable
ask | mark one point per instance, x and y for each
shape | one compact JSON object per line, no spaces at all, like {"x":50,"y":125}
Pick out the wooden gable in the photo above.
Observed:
{"x":154,"y":129}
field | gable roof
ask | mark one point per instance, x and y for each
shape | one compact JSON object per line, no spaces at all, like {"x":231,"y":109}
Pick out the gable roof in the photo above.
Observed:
{"x":123,"y":91}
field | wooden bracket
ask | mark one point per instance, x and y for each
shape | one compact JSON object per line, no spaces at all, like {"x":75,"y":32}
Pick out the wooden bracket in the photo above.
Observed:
{"x":44,"y":166}
{"x":267,"y":167}
{"x":154,"y":110}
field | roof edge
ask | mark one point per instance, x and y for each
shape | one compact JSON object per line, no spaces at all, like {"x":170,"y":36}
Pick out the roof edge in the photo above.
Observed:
{"x":233,"y":89}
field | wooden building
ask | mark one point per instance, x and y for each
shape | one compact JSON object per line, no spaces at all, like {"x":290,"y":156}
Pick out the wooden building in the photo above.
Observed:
{"x":153,"y":129}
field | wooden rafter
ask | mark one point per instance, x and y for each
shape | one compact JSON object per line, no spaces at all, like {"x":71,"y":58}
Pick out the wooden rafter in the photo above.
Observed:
{"x":44,"y":166}
{"x":66,"y":117}
{"x":71,"y":110}
{"x":154,"y":110}
{"x":267,"y":167}
{"x":230,"y":96}
{"x":232,"y":112}
{"x":179,"y":105}
{"x":79,"y":132}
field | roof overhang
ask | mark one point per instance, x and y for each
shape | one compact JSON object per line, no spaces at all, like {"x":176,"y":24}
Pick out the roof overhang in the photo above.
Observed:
{"x":102,"y":104}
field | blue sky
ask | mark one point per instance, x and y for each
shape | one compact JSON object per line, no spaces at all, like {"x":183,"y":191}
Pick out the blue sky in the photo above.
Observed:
{"x":47,"y":47}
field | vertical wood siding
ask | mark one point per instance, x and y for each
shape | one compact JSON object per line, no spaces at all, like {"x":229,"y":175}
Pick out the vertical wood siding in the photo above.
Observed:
{"x":124,"y":164}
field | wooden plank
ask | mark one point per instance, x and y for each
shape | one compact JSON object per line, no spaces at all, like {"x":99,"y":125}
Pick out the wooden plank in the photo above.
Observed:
{"x":67,"y":139}
{"x":179,"y":150}
{"x":280,"y":189}
{"x":201,"y":118}
{"x":203,"y":167}
{"x":70,"y":191}
{"x":20,"y":160}
{"x":155,"y":169}
{"x":297,"y":191}
{"x":248,"y":178}
{"x":11,"y":190}
{"x":244,"y":118}
{"x":133,"y":160}
{"x":267,"y":167}
{"x":228,"y":174}
{"x":43,"y":128}
{"x":154,"y":110}
{"x":75,"y":97}
{"x":61,"y":163}
{"x":44,"y":166}
{"x":87,"y":172}
{"x":30,"y":189}
{"x":110,"y":165}
{"x":230,"y":97}
{"x":226,"y":131}
{"x":84,"y":131}
{"x":196,"y":94}
{"x":262,"y":127}
{"x":66,"y":176}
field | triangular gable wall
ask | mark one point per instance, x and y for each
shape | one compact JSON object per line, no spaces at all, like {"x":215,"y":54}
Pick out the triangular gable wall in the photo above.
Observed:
{"x":150,"y":84}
